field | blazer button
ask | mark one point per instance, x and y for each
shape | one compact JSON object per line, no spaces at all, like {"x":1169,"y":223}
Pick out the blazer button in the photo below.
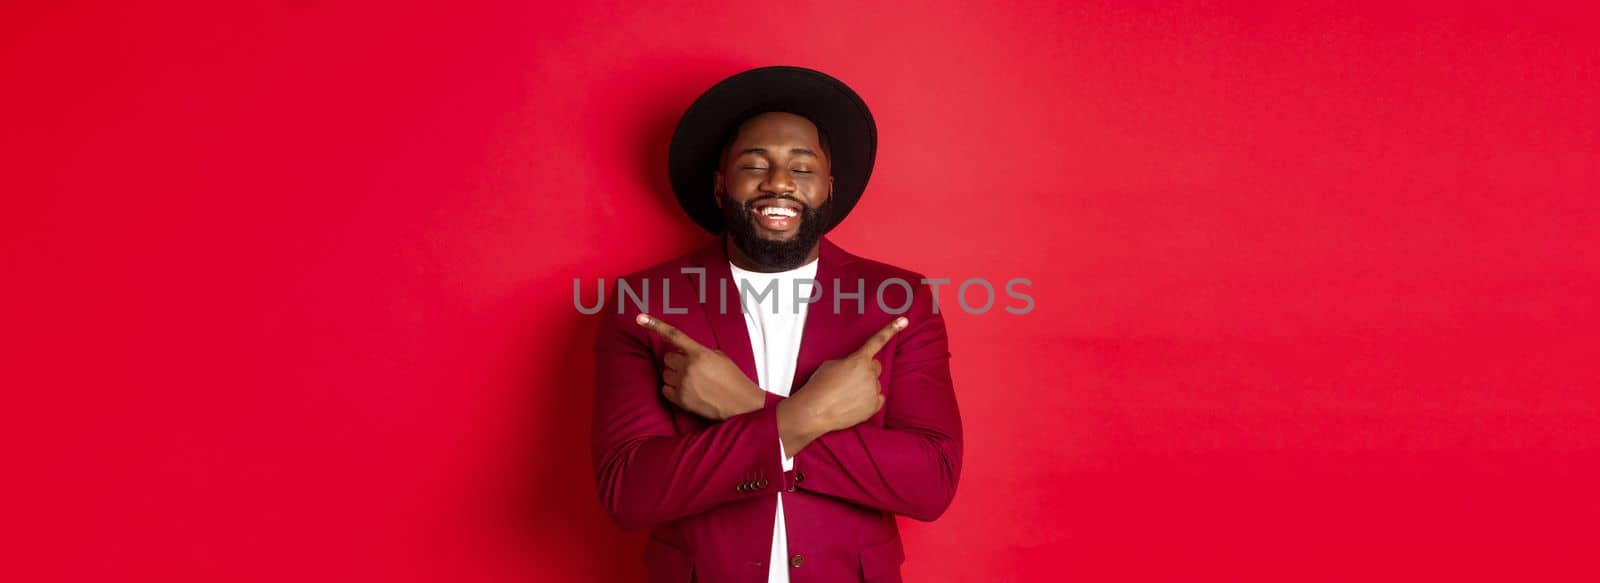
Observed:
{"x":796,"y":561}
{"x":762,"y":483}
{"x":739,"y":488}
{"x":799,"y":477}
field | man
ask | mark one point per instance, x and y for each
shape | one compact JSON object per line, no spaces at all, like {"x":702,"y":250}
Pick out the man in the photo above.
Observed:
{"x":774,"y":437}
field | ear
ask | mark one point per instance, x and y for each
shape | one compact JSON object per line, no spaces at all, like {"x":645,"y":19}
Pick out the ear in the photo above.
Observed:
{"x":716,"y":187}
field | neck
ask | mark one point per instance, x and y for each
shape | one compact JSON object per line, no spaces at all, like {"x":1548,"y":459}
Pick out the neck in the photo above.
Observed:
{"x":744,"y":262}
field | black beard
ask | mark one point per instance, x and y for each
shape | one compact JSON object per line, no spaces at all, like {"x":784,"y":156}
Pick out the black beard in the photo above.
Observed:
{"x":769,"y":254}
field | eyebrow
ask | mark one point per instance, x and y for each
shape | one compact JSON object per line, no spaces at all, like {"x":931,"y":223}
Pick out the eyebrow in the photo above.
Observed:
{"x":792,"y":152}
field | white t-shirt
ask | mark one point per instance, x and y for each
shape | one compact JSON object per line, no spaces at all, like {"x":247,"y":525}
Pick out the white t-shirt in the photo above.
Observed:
{"x":775,"y":320}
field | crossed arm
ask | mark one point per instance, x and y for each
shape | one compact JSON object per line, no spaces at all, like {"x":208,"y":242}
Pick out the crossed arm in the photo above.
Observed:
{"x":910,"y":465}
{"x":647,"y":474}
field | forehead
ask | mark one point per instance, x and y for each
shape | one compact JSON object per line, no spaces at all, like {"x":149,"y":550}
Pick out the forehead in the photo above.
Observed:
{"x":777,"y":129}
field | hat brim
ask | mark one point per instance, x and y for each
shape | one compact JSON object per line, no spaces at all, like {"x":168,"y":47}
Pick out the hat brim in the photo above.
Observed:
{"x":696,"y":144}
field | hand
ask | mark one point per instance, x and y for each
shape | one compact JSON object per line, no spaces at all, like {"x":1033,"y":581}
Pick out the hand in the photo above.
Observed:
{"x":841,"y":394}
{"x":701,"y":380}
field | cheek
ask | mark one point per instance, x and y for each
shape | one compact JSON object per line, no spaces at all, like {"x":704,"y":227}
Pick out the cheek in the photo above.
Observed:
{"x":816,"y":194}
{"x":742,"y":187}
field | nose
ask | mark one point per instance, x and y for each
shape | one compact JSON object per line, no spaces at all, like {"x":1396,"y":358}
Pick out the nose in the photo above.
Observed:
{"x":779,"y":181}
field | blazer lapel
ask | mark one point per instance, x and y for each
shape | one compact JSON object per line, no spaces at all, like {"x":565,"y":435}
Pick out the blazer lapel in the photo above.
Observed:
{"x":820,"y":341}
{"x":724,"y":313}
{"x":721,"y":306}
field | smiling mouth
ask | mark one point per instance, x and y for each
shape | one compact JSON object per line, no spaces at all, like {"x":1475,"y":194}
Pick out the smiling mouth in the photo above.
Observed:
{"x":777,"y":215}
{"x":778,"y":211}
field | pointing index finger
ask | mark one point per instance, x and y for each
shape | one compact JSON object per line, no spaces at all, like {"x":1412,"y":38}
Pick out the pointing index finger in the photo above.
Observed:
{"x":670,"y":334}
{"x":881,"y":338}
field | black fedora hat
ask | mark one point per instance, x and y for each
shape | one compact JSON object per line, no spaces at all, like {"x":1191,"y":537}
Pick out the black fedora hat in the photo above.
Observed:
{"x":839,"y":114}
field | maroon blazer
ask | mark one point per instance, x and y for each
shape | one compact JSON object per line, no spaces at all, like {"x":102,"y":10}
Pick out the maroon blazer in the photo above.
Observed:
{"x":706,"y":489}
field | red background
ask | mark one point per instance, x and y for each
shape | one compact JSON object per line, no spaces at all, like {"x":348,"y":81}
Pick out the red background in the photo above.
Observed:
{"x":288,"y":287}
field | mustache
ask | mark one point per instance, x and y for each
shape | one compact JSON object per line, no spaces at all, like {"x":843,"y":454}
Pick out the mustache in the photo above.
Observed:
{"x":750,"y":205}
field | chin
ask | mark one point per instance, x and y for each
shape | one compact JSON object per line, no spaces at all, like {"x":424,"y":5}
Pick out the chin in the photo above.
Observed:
{"x":790,"y":236}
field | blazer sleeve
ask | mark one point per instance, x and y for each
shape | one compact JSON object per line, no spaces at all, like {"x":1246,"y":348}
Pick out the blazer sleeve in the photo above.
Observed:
{"x":646,"y":472}
{"x":911,"y":464}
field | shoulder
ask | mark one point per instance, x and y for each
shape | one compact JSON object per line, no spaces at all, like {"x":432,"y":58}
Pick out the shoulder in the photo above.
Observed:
{"x":896,"y":289}
{"x":871,"y":270}
{"x":647,"y":290}
{"x":878,"y":271}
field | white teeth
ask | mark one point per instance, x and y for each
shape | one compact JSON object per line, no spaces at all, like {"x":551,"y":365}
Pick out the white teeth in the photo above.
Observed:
{"x":778,"y":211}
